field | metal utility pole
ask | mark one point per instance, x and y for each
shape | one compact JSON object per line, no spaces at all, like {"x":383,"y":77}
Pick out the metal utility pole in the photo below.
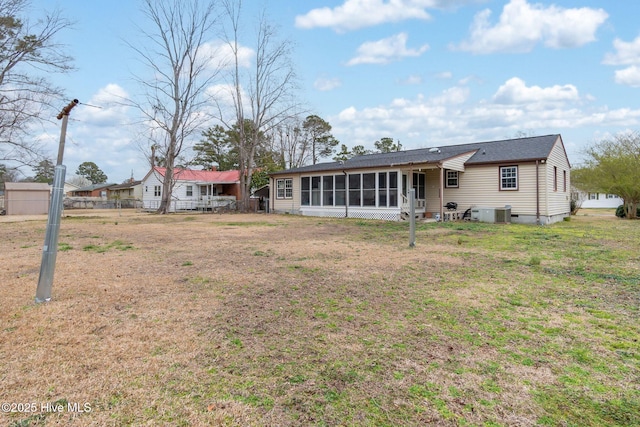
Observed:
{"x":50,"y":248}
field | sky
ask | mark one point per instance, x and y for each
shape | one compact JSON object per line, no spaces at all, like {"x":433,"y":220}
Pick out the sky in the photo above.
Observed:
{"x":426,"y":73}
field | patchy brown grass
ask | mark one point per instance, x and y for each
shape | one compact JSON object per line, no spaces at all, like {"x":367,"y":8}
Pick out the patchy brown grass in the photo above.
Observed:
{"x":282,"y":320}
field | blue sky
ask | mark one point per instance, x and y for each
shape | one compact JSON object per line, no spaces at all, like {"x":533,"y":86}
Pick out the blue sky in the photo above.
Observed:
{"x":424,"y":72}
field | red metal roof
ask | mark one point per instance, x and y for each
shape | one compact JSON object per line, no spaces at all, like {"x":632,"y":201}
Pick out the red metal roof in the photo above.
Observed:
{"x":220,"y":177}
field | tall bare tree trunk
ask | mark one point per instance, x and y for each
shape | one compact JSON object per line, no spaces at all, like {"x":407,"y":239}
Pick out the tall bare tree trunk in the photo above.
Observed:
{"x":269,"y":86}
{"x":182,"y":70}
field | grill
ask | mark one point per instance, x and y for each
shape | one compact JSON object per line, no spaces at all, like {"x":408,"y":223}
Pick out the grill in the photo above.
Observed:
{"x":451,"y":206}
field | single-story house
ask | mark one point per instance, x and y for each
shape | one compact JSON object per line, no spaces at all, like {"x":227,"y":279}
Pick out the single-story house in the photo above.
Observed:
{"x":599,"y":200}
{"x":193,"y":189}
{"x":525,"y":180}
{"x":93,"y":190}
{"x":68,"y":188}
{"x":26,"y":198}
{"x":130,"y":190}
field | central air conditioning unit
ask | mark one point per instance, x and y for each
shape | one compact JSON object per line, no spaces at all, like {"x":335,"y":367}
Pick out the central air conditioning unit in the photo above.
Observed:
{"x":503,"y":215}
{"x":491,"y":215}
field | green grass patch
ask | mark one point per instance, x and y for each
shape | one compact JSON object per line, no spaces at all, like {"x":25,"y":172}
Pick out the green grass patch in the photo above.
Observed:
{"x":115,"y":245}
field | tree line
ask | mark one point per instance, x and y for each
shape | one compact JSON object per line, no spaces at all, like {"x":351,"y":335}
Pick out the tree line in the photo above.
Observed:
{"x":231,"y":104}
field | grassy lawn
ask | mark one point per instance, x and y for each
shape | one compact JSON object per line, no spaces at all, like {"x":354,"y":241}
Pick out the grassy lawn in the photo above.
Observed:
{"x":280,"y":320}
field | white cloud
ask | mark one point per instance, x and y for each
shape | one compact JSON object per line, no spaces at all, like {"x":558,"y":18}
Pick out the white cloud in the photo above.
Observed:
{"x":325,"y":84}
{"x":220,"y":55}
{"x":355,"y":14}
{"x":515,"y":91}
{"x":522,"y":25}
{"x":106,"y":107}
{"x":629,"y":76}
{"x":411,"y":80}
{"x":445,"y":75}
{"x":386,"y":50}
{"x":110,"y":94}
{"x":626,"y":53}
{"x":454,"y":116}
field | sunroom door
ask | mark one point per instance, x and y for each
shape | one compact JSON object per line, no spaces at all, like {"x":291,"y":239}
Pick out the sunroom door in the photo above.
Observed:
{"x":418,"y":183}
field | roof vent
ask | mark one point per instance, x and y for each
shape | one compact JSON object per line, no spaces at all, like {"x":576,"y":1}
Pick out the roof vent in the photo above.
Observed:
{"x":434,"y":150}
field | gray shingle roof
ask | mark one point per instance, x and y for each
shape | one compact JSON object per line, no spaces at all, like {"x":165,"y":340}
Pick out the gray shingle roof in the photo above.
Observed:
{"x":509,"y":150}
{"x":93,"y":187}
{"x":129,"y":184}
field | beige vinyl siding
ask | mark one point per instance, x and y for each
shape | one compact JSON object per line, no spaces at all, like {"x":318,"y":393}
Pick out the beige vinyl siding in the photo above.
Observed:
{"x":287,"y":205}
{"x":557,"y":202}
{"x":433,"y":190}
{"x":457,"y":163}
{"x":480,"y":186}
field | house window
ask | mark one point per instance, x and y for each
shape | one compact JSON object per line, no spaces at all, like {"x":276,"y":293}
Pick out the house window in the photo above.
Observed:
{"x":452,"y":179}
{"x":327,"y":190}
{"x":393,"y":189}
{"x":555,"y":178}
{"x":354,"y":190}
{"x":189,"y":190}
{"x":340,"y":192}
{"x":368,"y":189}
{"x":382,"y":189}
{"x":508,"y":178}
{"x":284,"y":188}
{"x":387,"y":189}
{"x":315,"y":191}
{"x":593,"y":196}
{"x":305,"y":191}
{"x":418,"y":185}
{"x":611,"y":196}
{"x":157,"y":191}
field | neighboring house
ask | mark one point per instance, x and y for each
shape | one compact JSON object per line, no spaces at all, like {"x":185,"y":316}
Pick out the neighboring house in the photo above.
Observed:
{"x":26,"y":198}
{"x":531,"y":176}
{"x":94,"y":190}
{"x":193,"y":189}
{"x":126,"y":195}
{"x":68,"y":188}
{"x":130,"y":190}
{"x":599,"y":200}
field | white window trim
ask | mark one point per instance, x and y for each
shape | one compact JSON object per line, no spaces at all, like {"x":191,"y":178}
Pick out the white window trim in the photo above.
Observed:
{"x":287,"y":187}
{"x":502,"y":178}
{"x":457,"y":179}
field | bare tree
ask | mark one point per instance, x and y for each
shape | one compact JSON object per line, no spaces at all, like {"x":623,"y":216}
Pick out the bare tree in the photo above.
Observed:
{"x":28,"y":52}
{"x":288,"y":143}
{"x":263,"y":94}
{"x":183,"y":66}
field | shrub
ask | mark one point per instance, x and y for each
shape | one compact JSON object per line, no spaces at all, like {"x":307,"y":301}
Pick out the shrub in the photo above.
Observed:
{"x":575,"y":205}
{"x":622,"y":213}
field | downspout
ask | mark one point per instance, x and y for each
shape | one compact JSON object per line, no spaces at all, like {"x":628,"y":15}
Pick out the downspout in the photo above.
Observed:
{"x":271,"y":198}
{"x":346,"y":194}
{"x":441,"y":190}
{"x":537,"y":192}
